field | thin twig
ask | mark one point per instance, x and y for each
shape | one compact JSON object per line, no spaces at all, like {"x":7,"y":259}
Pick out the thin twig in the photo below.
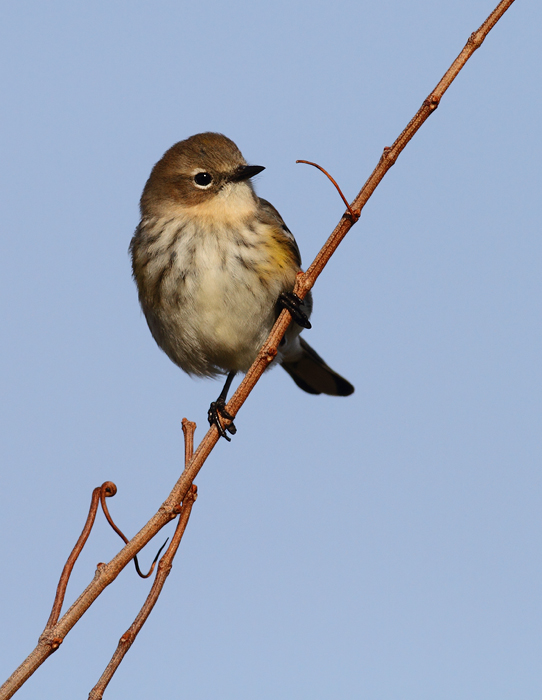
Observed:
{"x":108,"y":488}
{"x":189,"y":428}
{"x":126,"y":540}
{"x":353,"y":214}
{"x":164,"y":568}
{"x":107,"y":573}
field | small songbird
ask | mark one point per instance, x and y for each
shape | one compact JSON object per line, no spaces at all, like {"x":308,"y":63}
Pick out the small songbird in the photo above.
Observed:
{"x":214,"y":266}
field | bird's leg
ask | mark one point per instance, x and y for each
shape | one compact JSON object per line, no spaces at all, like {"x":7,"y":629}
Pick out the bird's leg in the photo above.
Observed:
{"x":217,"y":409}
{"x":292,"y":303}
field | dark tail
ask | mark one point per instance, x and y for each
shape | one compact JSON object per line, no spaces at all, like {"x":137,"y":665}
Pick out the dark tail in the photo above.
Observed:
{"x":311,"y":374}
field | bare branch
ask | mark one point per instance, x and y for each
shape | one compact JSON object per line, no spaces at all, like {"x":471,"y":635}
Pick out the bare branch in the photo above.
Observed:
{"x":126,"y":540}
{"x":164,"y":568}
{"x":107,"y":573}
{"x":390,"y":154}
{"x":76,"y":551}
{"x":49,"y":640}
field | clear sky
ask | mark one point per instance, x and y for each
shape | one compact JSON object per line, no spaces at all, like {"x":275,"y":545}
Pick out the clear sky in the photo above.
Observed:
{"x":386,"y":546}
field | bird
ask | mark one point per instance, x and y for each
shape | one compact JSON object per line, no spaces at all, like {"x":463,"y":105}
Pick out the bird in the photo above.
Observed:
{"x":214,"y":265}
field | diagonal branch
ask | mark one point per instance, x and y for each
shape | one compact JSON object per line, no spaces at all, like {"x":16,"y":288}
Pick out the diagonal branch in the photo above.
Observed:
{"x":107,"y":573}
{"x":164,"y":568}
{"x":390,"y":154}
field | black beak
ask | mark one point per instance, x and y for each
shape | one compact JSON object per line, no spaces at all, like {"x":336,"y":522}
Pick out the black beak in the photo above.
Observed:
{"x":245,"y":172}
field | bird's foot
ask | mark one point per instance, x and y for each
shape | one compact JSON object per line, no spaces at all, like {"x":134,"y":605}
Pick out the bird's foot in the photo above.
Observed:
{"x":292,"y":303}
{"x":217,"y":410}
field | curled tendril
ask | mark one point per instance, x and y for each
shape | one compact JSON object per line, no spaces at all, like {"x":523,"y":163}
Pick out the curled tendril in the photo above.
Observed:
{"x":354,"y":214}
{"x":108,"y":489}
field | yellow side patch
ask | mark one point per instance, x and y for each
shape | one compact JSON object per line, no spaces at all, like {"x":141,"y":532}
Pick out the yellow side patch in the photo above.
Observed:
{"x":281,"y":258}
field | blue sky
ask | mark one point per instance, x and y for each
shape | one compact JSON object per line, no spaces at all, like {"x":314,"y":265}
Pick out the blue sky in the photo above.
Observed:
{"x":382,"y":546}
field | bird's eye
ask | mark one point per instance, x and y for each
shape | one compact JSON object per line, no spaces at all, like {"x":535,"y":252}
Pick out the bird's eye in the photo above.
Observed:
{"x":203,"y":179}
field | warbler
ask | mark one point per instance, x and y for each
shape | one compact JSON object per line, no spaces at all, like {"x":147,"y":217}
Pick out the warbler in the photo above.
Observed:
{"x":214,"y":266}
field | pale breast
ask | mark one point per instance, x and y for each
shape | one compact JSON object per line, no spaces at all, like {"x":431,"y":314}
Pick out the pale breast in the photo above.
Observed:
{"x":209,"y":291}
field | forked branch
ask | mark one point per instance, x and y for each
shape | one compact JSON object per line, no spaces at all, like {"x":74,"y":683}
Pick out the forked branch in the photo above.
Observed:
{"x":107,"y":573}
{"x":164,"y":567}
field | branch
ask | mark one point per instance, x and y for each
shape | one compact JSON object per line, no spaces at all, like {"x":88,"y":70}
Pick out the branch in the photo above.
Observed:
{"x":123,"y":537}
{"x":107,"y":573}
{"x":164,"y":568}
{"x":76,"y":551}
{"x":390,"y":154}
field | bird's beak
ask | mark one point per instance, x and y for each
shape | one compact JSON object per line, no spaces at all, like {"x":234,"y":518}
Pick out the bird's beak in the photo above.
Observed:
{"x":245,"y":172}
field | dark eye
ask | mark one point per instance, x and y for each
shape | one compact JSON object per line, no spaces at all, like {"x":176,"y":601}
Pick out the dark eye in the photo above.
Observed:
{"x":203,"y":179}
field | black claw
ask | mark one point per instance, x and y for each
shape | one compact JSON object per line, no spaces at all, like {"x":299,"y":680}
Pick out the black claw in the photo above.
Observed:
{"x":291,"y":302}
{"x":217,"y":409}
